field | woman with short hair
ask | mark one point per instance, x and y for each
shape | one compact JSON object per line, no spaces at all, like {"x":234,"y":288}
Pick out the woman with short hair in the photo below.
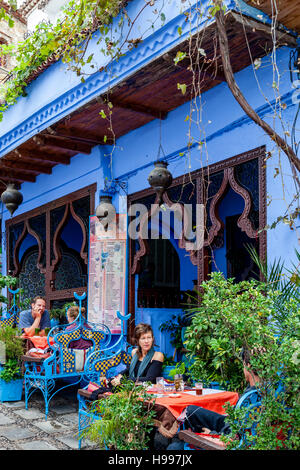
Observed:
{"x":146,"y":363}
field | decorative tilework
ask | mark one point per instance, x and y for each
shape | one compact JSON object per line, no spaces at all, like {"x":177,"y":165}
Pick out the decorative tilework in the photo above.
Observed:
{"x":68,"y":361}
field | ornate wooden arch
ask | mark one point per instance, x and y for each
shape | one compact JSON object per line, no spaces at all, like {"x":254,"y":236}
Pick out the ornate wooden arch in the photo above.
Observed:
{"x":27,"y":229}
{"x":244,"y":221}
{"x":144,"y":246}
{"x":69,"y":210}
{"x":13,"y":265}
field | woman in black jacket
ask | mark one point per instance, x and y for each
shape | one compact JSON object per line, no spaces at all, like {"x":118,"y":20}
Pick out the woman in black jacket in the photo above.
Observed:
{"x":146,"y":364}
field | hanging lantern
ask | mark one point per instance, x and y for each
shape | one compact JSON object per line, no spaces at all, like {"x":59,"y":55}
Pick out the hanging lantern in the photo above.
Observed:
{"x":11,"y":198}
{"x":106,"y":211}
{"x":160,"y":178}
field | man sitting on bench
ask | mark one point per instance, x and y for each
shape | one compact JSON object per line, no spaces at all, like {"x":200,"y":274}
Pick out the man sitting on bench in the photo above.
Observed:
{"x":36,"y":317}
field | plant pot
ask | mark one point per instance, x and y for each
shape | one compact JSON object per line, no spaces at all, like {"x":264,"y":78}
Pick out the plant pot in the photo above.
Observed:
{"x":11,"y":391}
{"x":217,"y":386}
{"x":54,"y":322}
{"x":214,"y":385}
{"x":166,"y":372}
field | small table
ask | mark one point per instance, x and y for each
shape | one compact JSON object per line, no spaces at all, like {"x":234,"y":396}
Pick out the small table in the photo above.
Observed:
{"x":213,"y":400}
{"x":169,"y":406}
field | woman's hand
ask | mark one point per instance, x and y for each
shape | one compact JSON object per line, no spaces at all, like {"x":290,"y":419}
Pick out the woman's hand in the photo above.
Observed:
{"x":116,"y":380}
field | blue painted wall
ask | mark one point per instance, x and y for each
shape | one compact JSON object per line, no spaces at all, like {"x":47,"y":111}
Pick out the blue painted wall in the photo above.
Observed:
{"x":228,"y":133}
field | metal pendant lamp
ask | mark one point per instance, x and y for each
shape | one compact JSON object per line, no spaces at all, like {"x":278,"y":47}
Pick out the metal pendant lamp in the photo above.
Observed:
{"x":160,"y":178}
{"x":11,"y":198}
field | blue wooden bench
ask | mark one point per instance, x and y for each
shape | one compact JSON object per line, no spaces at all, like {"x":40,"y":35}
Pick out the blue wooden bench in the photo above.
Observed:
{"x":11,"y":316}
{"x":252,"y":401}
{"x":101,"y":363}
{"x":44,"y":373}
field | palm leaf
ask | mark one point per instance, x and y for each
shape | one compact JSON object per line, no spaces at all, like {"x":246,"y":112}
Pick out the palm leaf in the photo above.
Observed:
{"x":275,"y":276}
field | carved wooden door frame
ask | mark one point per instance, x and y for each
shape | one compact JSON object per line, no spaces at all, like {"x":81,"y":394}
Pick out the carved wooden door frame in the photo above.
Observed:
{"x":228,"y":180}
{"x":50,"y":265}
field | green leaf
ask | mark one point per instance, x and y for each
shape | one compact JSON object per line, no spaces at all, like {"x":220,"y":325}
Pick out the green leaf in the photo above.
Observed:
{"x":182,"y":87}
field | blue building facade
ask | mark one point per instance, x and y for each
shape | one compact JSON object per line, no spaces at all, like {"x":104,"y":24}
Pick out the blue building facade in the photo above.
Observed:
{"x":219,"y":144}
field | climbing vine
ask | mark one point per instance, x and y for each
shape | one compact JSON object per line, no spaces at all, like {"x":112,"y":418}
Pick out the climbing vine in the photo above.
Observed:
{"x":69,"y":38}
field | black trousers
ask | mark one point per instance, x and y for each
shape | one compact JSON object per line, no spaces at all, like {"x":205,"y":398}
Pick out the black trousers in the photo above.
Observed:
{"x":198,"y":418}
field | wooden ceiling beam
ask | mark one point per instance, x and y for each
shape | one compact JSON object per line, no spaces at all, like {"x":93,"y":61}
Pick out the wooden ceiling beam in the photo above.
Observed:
{"x":92,"y":138}
{"x":27,"y":165}
{"x":69,"y":135}
{"x":282,"y":37}
{"x":65,"y":143}
{"x":38,"y":155}
{"x":208,"y":69}
{"x":14,"y":175}
{"x":139,"y":108}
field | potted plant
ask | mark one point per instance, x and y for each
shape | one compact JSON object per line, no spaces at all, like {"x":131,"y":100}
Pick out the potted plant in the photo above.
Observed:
{"x":126,"y":419}
{"x":58,"y":315}
{"x":244,"y":316}
{"x":11,"y":382}
{"x":168,"y":365}
{"x":175,"y":327}
{"x":6,"y":281}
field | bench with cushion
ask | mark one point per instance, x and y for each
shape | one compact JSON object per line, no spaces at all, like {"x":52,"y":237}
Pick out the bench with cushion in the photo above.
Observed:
{"x":60,"y":362}
{"x":11,"y":316}
{"x":104,"y":363}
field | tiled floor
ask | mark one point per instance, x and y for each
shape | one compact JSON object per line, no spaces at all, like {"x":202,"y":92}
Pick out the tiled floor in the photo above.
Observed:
{"x":22,"y":429}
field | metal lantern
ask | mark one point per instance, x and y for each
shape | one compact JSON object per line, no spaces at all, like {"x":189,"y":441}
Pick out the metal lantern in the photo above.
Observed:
{"x":12,"y":198}
{"x":106,"y":211}
{"x":160,"y":178}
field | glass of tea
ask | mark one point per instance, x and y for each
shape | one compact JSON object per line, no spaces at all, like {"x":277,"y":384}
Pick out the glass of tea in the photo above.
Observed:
{"x":199,"y":388}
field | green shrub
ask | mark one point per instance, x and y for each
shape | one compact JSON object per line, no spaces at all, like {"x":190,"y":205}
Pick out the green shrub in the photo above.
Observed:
{"x":13,"y":346}
{"x":229,"y":314}
{"x":11,"y":371}
{"x":127,"y":419}
{"x":239,"y":316}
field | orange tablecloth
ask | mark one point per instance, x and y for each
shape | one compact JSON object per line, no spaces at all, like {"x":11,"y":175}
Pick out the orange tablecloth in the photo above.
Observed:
{"x":39,"y":341}
{"x":212,"y":401}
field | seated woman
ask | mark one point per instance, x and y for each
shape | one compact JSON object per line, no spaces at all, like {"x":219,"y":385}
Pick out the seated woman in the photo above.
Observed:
{"x":146,"y":364}
{"x":81,"y":343}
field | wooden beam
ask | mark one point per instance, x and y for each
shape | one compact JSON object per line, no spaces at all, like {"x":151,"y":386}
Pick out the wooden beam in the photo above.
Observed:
{"x":282,"y":37}
{"x":92,"y":138}
{"x":208,"y":69}
{"x":25,"y":164}
{"x":139,"y":108}
{"x":62,"y":143}
{"x":13,"y":175}
{"x":70,"y":135}
{"x":36,"y":155}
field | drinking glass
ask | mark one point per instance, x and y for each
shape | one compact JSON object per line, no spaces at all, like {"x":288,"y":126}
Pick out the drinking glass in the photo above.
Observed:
{"x":159,"y":384}
{"x":168,"y":387}
{"x":178,"y":383}
{"x":199,"y":388}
